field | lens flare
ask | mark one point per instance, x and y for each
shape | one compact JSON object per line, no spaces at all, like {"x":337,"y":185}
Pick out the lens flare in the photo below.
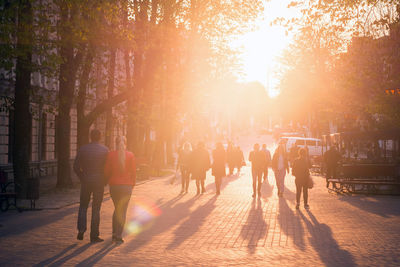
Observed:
{"x":142,"y":216}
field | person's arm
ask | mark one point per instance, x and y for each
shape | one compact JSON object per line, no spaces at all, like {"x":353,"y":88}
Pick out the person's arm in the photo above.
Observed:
{"x":107,"y":169}
{"x":77,"y":165}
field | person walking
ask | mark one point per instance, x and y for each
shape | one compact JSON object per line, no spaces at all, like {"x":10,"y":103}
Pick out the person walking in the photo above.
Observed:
{"x":183,"y":165}
{"x":257,"y":159}
{"x":230,"y":157}
{"x":280,"y":166}
{"x":267,"y":161}
{"x":331,"y":159}
{"x":239,"y":159}
{"x":89,"y":167}
{"x":218,"y":166}
{"x":120,"y":171}
{"x":200,"y":163}
{"x":301,"y":172}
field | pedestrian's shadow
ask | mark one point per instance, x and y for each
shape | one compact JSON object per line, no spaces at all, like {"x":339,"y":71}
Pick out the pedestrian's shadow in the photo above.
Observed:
{"x":255,"y":227}
{"x":290,"y":224}
{"x":325,"y":245}
{"x":58,"y":260}
{"x":266,"y":189}
{"x":384,"y":206}
{"x":171,"y":215}
{"x":98,"y":255}
{"x":289,"y":195}
{"x":192,"y":224}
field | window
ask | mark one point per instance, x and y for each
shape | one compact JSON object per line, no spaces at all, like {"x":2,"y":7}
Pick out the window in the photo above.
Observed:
{"x":311,"y":143}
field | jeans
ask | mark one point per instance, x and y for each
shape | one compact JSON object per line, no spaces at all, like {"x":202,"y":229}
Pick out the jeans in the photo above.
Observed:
{"x":257,"y":177}
{"x":185,"y":178}
{"x":280,"y":180}
{"x":301,"y":186}
{"x":87,"y":189}
{"x":120,"y":195}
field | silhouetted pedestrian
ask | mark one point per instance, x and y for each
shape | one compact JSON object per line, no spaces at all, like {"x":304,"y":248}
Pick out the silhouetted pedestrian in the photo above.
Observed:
{"x":89,"y":167}
{"x":331,"y":159}
{"x":257,"y":159}
{"x":218,"y":165}
{"x":120,"y":170}
{"x":301,"y":171}
{"x":230,"y":157}
{"x":267,"y":161}
{"x":183,"y":164}
{"x":280,"y":166}
{"x":199,"y":165}
{"x":239,"y":159}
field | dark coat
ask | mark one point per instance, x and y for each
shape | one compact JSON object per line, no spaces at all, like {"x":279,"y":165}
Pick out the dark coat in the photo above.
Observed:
{"x":275,"y":158}
{"x":199,"y":163}
{"x":258,"y":160}
{"x":219,"y":160}
{"x":301,"y":170}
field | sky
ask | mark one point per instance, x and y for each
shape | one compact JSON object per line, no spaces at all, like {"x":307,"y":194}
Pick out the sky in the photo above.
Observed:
{"x":262,"y":47}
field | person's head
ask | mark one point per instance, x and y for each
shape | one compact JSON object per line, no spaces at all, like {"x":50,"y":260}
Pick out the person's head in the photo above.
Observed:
{"x":187,"y":146}
{"x":256,"y":147}
{"x":302,"y":153}
{"x":264,"y":146}
{"x":120,"y":144}
{"x":95,"y":135}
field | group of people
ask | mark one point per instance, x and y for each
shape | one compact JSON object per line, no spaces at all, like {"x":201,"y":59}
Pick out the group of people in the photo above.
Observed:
{"x":195,"y":164}
{"x":96,"y":166}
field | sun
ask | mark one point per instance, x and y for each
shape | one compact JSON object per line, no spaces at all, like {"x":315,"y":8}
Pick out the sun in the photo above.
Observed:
{"x":262,"y":47}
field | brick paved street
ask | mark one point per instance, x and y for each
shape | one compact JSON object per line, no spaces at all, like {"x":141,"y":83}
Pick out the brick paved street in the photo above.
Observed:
{"x":166,"y":228}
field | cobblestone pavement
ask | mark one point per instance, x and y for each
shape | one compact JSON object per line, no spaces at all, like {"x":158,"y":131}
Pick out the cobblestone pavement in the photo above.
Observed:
{"x":166,"y":228}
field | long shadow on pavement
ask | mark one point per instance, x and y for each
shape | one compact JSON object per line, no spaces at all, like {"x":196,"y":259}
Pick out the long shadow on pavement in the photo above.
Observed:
{"x":25,"y":222}
{"x":384,"y":206}
{"x":171,"y":216}
{"x":55,"y":257}
{"x":57,"y":261}
{"x":255,"y":227}
{"x":98,"y":255}
{"x":325,"y":245}
{"x":291,"y":224}
{"x":192,"y":224}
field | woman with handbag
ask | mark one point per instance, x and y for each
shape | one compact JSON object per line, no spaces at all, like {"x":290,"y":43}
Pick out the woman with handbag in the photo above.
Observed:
{"x":218,"y":166}
{"x":120,"y":170}
{"x":303,"y":181}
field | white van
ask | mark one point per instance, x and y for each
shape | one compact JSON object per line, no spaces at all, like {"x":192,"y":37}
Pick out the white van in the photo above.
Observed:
{"x":314,"y":145}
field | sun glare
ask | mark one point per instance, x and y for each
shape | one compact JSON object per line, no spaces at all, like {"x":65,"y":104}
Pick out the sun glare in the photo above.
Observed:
{"x":262,"y":47}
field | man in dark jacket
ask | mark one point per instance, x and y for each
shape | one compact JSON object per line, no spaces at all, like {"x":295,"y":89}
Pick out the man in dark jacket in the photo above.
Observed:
{"x":89,"y":167}
{"x":331,"y":158}
{"x":258,"y":162}
{"x":199,"y":165}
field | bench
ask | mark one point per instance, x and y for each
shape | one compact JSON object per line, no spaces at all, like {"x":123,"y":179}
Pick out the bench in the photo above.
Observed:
{"x":366,"y":179}
{"x":8,"y":196}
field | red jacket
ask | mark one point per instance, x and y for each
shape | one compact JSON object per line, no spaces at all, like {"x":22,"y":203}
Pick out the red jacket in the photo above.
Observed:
{"x":113,"y":172}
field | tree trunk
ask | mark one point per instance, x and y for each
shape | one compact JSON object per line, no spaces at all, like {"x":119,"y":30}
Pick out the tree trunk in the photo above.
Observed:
{"x":22,"y":141}
{"x":110,"y":93}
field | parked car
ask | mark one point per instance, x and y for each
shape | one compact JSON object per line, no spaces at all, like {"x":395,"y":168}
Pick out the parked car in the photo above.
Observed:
{"x":314,"y":145}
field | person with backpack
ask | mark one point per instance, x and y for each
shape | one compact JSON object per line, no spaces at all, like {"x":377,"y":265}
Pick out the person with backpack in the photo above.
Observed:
{"x":199,"y":165}
{"x":301,"y":172}
{"x":183,"y":164}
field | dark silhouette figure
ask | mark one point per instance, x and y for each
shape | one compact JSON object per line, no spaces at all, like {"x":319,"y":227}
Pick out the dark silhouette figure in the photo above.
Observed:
{"x":199,"y":165}
{"x":89,"y":167}
{"x":280,"y":166}
{"x":183,"y":164}
{"x":230,"y":157}
{"x":301,"y":171}
{"x":331,"y":159}
{"x":267,"y":161}
{"x":239,"y":159}
{"x":218,"y":166}
{"x":120,"y":170}
{"x":257,"y":159}
{"x":294,"y":153}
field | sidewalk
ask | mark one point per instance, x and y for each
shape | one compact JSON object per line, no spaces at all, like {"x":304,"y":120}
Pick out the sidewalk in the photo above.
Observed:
{"x":54,"y":198}
{"x":165,"y":228}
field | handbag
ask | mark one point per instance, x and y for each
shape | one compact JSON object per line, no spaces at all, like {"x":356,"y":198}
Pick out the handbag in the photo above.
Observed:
{"x":310,"y":183}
